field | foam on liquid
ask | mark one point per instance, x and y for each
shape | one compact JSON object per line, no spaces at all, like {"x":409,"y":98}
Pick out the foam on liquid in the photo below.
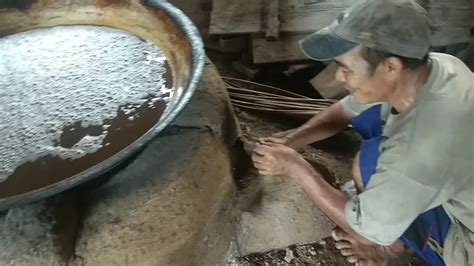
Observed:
{"x":71,"y":77}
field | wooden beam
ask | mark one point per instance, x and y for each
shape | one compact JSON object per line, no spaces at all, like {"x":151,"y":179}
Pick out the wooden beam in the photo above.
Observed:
{"x":272,"y":21}
{"x":236,"y":17}
{"x":451,"y":16}
{"x":447,"y":3}
{"x":286,"y":48}
{"x":305,"y":16}
{"x":296,"y":16}
{"x":450,"y":35}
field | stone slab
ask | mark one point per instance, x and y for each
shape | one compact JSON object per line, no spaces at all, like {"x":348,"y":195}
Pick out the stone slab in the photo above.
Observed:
{"x":283,"y":216}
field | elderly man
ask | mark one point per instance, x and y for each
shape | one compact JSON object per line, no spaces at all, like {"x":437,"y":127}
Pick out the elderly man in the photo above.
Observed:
{"x":415,"y":112}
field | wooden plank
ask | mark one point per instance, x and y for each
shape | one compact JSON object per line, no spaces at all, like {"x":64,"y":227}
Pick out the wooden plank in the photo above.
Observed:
{"x":292,"y":6}
{"x":300,"y":16}
{"x":286,"y":48}
{"x":450,"y":35}
{"x":447,"y":3}
{"x":235,"y":17}
{"x":327,"y":85}
{"x":304,"y":16}
{"x":297,"y":16}
{"x":451,"y":17}
{"x":308,"y":21}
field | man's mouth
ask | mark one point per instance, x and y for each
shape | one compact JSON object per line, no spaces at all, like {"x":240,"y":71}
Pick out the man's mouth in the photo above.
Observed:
{"x":351,"y":91}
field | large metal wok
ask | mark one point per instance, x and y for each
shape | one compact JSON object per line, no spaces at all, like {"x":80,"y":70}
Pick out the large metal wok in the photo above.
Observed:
{"x":153,"y":20}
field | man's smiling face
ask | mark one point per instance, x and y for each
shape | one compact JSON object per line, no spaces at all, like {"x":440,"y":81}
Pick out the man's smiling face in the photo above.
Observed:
{"x":356,"y":75}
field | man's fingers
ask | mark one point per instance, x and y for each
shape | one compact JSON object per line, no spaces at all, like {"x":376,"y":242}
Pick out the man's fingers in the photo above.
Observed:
{"x":263,"y":149}
{"x":267,"y":159}
{"x":259,"y":164}
{"x":266,"y":141}
{"x":271,"y":140}
{"x":256,"y":158}
{"x":362,"y":263}
{"x":339,"y":235}
{"x":347,"y":252}
{"x":262,"y":166}
{"x":283,"y":133}
{"x":353,"y":259}
{"x":343,"y":245}
{"x":266,"y":172}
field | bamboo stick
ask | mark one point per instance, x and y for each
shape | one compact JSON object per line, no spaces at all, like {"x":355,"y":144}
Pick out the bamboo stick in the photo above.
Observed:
{"x":276,"y":97}
{"x":272,"y":99}
{"x":265,"y":100}
{"x":277,"y":105}
{"x":311,"y":113}
{"x":230,"y":79}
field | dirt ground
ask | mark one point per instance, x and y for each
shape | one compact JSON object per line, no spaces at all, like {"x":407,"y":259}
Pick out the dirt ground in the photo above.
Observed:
{"x":322,"y":253}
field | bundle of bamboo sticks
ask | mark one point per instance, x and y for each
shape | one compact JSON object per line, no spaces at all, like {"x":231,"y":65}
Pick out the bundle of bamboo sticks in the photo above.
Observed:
{"x":253,"y":96}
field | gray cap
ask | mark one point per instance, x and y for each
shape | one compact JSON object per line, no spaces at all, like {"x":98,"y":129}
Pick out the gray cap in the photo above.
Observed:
{"x":399,"y":27}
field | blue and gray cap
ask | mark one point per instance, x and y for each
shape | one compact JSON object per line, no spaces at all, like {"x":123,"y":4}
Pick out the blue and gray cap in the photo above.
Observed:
{"x":399,"y":27}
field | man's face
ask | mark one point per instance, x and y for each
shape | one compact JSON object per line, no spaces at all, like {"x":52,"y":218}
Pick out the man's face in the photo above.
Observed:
{"x":355,"y":73}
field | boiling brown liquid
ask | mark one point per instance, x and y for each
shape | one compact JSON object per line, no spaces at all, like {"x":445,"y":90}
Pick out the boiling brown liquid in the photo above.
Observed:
{"x":48,"y":170}
{"x":121,"y":133}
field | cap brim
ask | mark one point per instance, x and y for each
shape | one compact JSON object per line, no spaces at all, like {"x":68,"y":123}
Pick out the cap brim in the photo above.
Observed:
{"x":325,"y":45}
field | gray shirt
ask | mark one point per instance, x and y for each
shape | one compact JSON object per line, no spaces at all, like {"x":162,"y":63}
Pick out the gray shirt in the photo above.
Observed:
{"x":427,"y":158}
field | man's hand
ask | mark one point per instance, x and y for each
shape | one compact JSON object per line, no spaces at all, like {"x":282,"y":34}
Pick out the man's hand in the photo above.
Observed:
{"x":278,"y":138}
{"x":322,"y":126}
{"x":278,"y":159}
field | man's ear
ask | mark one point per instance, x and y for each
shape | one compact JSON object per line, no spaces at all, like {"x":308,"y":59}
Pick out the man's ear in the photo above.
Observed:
{"x":393,"y":66}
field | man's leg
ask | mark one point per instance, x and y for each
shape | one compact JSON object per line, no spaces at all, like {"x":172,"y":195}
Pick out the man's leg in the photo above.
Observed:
{"x":364,"y":254}
{"x":426,"y":234}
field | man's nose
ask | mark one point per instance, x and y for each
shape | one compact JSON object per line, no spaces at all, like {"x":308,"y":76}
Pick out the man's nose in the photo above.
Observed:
{"x":340,"y":76}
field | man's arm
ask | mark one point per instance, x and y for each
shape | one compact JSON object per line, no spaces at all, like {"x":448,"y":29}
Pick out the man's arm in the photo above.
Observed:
{"x":379,"y":215}
{"x":330,"y":201}
{"x":277,"y":159}
{"x":328,"y":123}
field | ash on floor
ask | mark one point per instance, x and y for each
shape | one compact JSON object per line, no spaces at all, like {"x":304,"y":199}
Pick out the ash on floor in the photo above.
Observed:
{"x":321,"y":253}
